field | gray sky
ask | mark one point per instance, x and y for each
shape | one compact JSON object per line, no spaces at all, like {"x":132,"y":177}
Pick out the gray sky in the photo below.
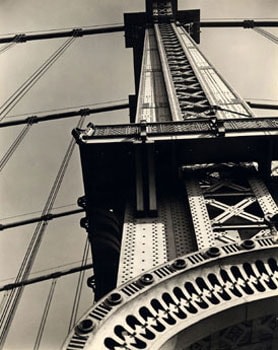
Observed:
{"x":95,"y":69}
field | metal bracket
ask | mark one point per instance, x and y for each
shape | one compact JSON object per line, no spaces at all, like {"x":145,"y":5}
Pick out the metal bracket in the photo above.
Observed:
{"x":143,"y":130}
{"x":217,"y":126}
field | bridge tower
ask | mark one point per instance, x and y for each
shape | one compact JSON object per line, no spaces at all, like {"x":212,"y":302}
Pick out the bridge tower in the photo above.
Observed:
{"x":180,"y":204}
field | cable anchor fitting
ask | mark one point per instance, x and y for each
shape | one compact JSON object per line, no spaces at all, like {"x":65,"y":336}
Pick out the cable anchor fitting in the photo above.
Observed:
{"x":20,"y":38}
{"x":77,"y":32}
{"x":84,"y":112}
{"x":32,"y":120}
{"x":248,"y":23}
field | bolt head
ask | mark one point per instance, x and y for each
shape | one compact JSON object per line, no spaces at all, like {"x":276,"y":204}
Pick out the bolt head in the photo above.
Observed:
{"x":147,"y":279}
{"x":213,"y":252}
{"x":179,"y":264}
{"x":248,"y":244}
{"x":85,"y":326}
{"x":114,"y":298}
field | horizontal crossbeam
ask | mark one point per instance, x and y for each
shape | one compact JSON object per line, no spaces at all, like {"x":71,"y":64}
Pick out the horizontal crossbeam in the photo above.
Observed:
{"x":242,"y":24}
{"x":49,"y":276}
{"x":189,"y":129}
{"x":77,"y":32}
{"x":262,"y":105}
{"x":47,"y":217}
{"x":198,"y":141}
{"x":60,"y":115}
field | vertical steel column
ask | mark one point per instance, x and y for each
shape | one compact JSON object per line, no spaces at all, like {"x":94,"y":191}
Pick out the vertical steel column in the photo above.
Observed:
{"x":152,"y":102}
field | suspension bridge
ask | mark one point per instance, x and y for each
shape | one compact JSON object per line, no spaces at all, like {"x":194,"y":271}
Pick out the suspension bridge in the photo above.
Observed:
{"x":46,"y":260}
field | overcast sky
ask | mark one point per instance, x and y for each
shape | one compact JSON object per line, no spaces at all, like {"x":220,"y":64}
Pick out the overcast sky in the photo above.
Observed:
{"x":95,"y":69}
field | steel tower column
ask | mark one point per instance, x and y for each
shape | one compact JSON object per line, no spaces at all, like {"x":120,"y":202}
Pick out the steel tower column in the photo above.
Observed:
{"x":182,"y":224}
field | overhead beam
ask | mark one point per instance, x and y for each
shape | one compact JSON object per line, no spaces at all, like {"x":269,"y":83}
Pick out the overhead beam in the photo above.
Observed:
{"x":243,"y":23}
{"x":262,"y":105}
{"x":33,"y":119}
{"x":46,"y":217}
{"x":78,"y":32}
{"x":49,"y":276}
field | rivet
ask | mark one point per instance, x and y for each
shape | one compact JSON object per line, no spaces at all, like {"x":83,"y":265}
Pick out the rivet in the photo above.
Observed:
{"x":85,"y":326}
{"x":248,"y":244}
{"x":179,"y":264}
{"x":147,"y":279}
{"x":213,"y":252}
{"x":114,"y":298}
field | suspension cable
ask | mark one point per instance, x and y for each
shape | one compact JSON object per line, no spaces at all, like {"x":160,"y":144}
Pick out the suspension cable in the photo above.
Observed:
{"x":3,"y":301}
{"x":78,"y":290}
{"x":39,"y":218}
{"x":33,"y":247}
{"x":56,"y":274}
{"x":36,"y":212}
{"x":11,"y":102}
{"x":7,"y":47}
{"x":62,"y":115}
{"x":249,"y":23}
{"x":65,"y":109}
{"x":262,"y":105}
{"x":45,"y":314}
{"x":14,"y":146}
{"x":62,"y":33}
{"x":266,"y":34}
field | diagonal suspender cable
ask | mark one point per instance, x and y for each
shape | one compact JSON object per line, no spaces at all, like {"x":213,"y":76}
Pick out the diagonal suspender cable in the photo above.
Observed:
{"x":45,"y":314}
{"x":7,"y":47}
{"x":14,"y":146}
{"x":11,"y":102}
{"x":79,"y":288}
{"x":266,"y":34}
{"x":3,"y":301}
{"x":13,"y":299}
{"x":21,"y":91}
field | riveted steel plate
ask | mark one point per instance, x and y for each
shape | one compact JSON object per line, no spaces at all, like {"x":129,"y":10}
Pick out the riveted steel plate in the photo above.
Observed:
{"x":150,"y":242}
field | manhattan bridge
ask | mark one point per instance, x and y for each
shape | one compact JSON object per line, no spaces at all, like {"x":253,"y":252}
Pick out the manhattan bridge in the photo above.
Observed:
{"x":179,"y":204}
